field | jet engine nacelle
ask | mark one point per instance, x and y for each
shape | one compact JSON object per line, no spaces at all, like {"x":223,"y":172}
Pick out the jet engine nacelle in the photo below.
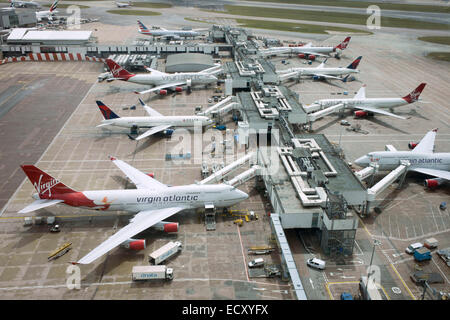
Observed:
{"x":311,"y":57}
{"x":168,"y":132}
{"x":134,"y":244}
{"x":166,"y":226}
{"x":302,"y":56}
{"x":412,"y":145}
{"x":361,"y":114}
{"x":162,"y":92}
{"x":178,"y":89}
{"x":433,"y":183}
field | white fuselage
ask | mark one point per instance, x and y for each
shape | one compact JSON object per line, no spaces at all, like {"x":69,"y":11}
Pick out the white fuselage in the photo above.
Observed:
{"x":367,"y":102}
{"x":322,"y":50}
{"x":153,"y":121}
{"x":389,"y":160}
{"x":319,"y":71}
{"x":158,"y":79}
{"x":188,"y":197}
{"x":171,"y":33}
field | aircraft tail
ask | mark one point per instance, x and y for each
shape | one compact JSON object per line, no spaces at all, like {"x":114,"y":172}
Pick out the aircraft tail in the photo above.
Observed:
{"x":44,"y":183}
{"x":54,"y":5}
{"x":343,"y":44}
{"x":107,"y":112}
{"x":355,"y":63}
{"x":414,"y":95}
{"x":117,"y":71}
{"x":142,"y":27}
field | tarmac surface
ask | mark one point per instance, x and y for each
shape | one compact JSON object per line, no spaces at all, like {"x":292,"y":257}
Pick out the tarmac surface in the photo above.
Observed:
{"x":213,"y":264}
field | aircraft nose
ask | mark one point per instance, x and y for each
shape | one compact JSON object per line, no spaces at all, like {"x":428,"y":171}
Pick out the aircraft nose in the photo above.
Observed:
{"x":242,"y":195}
{"x":362,"y":161}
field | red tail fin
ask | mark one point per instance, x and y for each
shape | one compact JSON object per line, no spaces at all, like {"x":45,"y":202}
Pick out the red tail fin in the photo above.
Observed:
{"x":414,"y":96}
{"x":117,"y":71}
{"x":45,"y":184}
{"x":343,"y":44}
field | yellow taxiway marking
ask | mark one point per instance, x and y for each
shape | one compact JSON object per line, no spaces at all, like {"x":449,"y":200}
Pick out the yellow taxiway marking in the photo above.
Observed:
{"x":351,"y":282}
{"x":404,"y":284}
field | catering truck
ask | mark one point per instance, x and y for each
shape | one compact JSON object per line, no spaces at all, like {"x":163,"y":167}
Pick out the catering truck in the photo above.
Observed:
{"x":165,"y":252}
{"x":151,"y":272}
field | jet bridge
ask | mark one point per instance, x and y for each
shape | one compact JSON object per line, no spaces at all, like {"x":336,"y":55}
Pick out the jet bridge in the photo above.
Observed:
{"x":227,"y":170}
{"x":221,"y":107}
{"x":399,"y":172}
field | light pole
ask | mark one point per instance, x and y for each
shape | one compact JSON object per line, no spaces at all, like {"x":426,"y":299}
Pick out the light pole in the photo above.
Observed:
{"x":375,"y":243}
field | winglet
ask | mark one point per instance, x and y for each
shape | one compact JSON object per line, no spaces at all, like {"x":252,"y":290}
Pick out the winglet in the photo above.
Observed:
{"x":112,"y":158}
{"x":142,"y":102}
{"x":435,"y":130}
{"x":346,"y":78}
{"x":74,"y":263}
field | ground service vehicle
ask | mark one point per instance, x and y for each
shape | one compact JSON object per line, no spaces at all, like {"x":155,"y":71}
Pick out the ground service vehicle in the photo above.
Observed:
{"x":316,"y":263}
{"x":152,"y":272}
{"x":413,"y":247}
{"x":165,"y":252}
{"x":256,"y":263}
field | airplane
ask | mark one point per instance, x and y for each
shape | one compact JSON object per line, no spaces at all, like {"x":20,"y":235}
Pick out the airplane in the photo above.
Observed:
{"x":152,"y":200}
{"x":307,"y":51}
{"x":322,"y":73}
{"x":123,"y":4}
{"x":47,"y":14}
{"x":365,"y":105}
{"x":163,"y":81}
{"x":171,"y":34}
{"x":24,"y":4}
{"x":422,"y":159}
{"x":155,"y":120}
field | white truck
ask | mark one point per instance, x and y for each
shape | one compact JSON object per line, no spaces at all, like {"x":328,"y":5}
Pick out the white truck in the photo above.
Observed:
{"x":165,"y":252}
{"x":151,"y":272}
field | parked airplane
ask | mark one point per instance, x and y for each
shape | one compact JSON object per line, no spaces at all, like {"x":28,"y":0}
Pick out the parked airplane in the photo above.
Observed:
{"x":164,"y":81}
{"x":369,"y":105}
{"x":152,"y":200}
{"x":422,"y":159}
{"x":322,"y":73}
{"x":307,"y":51}
{"x":47,"y":14}
{"x":24,"y":4}
{"x":123,"y":4}
{"x":155,"y":120}
{"x":164,"y":33}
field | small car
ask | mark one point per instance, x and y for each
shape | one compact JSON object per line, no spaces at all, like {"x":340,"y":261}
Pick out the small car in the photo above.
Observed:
{"x":316,"y":263}
{"x":256,"y":263}
{"x":413,"y":247}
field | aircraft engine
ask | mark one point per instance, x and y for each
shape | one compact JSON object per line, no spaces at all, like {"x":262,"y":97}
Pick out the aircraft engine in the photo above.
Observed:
{"x":302,"y":56}
{"x":134,"y":244}
{"x":166,"y":226}
{"x":311,"y":57}
{"x":162,"y":92}
{"x":412,"y":145}
{"x":433,"y":183}
{"x":178,"y":89}
{"x":361,"y":114}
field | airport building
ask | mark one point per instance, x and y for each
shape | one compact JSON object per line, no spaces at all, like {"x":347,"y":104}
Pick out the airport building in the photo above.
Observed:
{"x":188,"y":62}
{"x":12,"y":18}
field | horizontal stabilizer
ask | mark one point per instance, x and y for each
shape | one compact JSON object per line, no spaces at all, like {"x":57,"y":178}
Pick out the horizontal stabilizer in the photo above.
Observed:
{"x":39,"y":204}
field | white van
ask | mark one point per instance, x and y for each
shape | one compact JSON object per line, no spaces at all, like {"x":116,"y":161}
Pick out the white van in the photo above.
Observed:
{"x":316,"y":263}
{"x":256,"y":263}
{"x":413,"y":247}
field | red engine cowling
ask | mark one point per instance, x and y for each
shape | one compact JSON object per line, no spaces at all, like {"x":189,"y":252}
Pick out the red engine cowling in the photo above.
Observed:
{"x":178,"y":89}
{"x":433,"y":183}
{"x":134,"y":244}
{"x":162,"y":92}
{"x":171,"y":227}
{"x":302,"y":56}
{"x":412,"y":145}
{"x":151,"y":174}
{"x":311,"y":57}
{"x":361,"y":114}
{"x":166,"y":226}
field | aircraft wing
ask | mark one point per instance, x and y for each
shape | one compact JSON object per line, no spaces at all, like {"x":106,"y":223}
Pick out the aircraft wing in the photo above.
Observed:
{"x":314,"y":53}
{"x":140,"y":179}
{"x":164,"y":86}
{"x":276,"y":51}
{"x":212,"y":69}
{"x":376,"y":110}
{"x":327,"y":76}
{"x":433,"y":172}
{"x":151,"y":112}
{"x":426,"y":145}
{"x":39,"y":204}
{"x":153,"y":130}
{"x":142,"y":221}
